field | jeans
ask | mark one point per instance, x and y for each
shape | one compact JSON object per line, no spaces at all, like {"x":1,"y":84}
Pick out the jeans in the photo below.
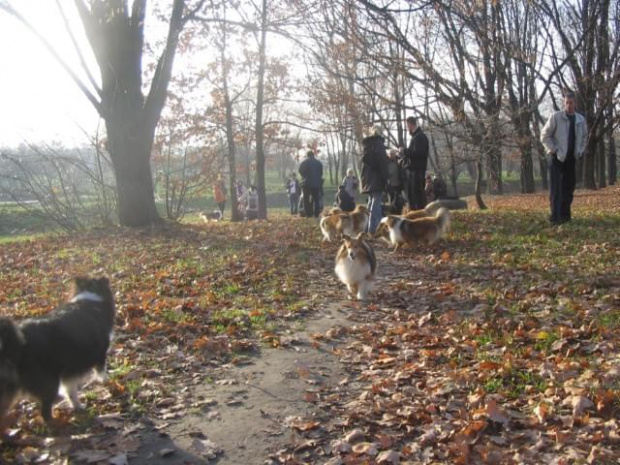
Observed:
{"x":375,"y":208}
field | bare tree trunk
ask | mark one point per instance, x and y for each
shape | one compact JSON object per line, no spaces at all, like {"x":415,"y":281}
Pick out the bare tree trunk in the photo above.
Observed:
{"x":612,"y":167}
{"x":260,"y":131}
{"x":231,"y":153}
{"x":117,"y":38}
{"x":479,"y":199}
{"x":600,"y":165}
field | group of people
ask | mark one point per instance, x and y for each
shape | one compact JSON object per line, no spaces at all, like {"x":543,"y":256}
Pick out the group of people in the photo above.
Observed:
{"x":247,"y":198}
{"x":403,"y":170}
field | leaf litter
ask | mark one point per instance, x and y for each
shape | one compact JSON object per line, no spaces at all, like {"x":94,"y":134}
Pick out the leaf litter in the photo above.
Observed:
{"x":497,"y":345}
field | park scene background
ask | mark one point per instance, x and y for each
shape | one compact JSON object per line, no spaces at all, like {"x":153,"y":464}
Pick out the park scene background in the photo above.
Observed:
{"x":498,"y":344}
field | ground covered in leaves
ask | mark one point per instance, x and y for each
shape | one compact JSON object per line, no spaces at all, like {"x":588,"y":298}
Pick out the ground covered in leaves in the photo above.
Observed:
{"x":498,"y":345}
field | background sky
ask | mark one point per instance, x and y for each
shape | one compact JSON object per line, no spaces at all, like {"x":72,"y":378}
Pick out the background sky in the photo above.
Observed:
{"x":38,"y":100}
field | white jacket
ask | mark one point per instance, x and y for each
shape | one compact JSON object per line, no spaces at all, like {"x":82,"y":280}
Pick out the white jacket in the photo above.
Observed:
{"x":554,"y":135}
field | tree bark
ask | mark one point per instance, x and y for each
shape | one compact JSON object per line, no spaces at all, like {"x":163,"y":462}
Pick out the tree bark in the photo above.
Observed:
{"x":260,"y":130}
{"x":479,"y":199}
{"x":612,"y":167}
{"x":117,"y":37}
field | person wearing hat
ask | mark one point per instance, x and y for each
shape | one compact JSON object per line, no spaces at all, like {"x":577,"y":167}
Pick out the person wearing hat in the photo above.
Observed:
{"x":374,"y":174}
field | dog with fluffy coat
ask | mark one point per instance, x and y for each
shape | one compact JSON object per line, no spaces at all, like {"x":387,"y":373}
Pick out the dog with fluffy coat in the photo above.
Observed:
{"x":429,"y":210}
{"x":40,"y":355}
{"x":356,"y":265}
{"x":340,"y":223}
{"x":399,"y":230}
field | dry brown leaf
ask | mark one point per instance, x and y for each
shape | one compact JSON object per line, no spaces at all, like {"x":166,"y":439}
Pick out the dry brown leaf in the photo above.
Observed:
{"x":388,"y":457}
{"x":495,"y":413}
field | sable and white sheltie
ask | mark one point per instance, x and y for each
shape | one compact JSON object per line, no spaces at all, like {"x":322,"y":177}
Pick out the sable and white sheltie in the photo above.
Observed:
{"x":215,"y":215}
{"x":356,"y":265}
{"x":429,"y":210}
{"x":399,"y":230}
{"x":340,"y":223}
{"x":38,"y":356}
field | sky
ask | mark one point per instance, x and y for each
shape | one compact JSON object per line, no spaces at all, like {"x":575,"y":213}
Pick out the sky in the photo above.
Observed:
{"x":38,"y":100}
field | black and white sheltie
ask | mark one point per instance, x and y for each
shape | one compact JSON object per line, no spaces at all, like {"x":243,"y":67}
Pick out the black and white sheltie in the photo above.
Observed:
{"x":38,"y":356}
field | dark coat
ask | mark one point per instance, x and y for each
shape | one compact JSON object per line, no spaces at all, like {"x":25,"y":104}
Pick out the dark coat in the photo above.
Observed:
{"x":416,"y":155}
{"x":311,"y":172}
{"x":374,"y":165}
{"x":344,"y":201}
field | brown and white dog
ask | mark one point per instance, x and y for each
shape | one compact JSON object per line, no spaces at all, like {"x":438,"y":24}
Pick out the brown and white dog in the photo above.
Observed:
{"x":338,"y":224}
{"x":399,"y":230}
{"x":215,"y":215}
{"x":429,"y":210}
{"x":356,"y":265}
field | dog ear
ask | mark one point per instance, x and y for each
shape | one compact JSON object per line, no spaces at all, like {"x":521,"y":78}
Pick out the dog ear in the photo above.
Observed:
{"x":79,"y":283}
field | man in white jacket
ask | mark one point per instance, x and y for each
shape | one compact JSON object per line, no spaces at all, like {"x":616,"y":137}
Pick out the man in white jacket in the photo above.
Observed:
{"x":564,"y":137}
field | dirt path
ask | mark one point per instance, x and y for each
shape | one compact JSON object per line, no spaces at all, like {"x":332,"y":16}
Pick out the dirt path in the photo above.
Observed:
{"x":249,"y":411}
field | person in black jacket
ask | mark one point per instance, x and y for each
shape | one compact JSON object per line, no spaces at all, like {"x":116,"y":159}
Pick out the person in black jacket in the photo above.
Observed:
{"x":414,"y":160}
{"x":374,"y":175}
{"x":311,"y":172}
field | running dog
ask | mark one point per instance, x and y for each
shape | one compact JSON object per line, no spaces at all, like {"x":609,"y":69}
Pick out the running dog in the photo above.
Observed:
{"x":38,"y":356}
{"x":356,"y":265}
{"x":400,"y":230}
{"x":338,"y":224}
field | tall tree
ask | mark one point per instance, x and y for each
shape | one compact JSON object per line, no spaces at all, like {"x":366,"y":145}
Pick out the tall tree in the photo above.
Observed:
{"x":116,"y":35}
{"x":589,"y":40}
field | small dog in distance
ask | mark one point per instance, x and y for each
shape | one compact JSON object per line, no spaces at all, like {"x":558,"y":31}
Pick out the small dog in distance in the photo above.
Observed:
{"x":215,"y":215}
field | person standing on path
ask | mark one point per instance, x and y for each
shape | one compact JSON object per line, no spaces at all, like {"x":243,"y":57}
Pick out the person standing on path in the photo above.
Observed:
{"x":564,"y":136}
{"x":311,"y":172}
{"x":414,"y":160}
{"x":374,"y":175}
{"x":292,"y":189}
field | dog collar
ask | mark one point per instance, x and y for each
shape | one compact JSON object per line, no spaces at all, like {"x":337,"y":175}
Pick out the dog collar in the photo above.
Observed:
{"x":86,"y":295}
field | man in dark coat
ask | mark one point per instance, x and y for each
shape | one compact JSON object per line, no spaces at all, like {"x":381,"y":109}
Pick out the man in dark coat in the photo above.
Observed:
{"x":414,"y":160}
{"x":311,"y":172}
{"x":374,"y":175}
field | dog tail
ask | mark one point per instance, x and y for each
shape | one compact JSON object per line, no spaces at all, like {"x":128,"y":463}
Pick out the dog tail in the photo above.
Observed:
{"x":433,"y":207}
{"x":443,"y":218}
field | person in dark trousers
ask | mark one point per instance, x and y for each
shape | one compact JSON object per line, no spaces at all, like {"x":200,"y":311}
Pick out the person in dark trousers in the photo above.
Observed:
{"x":374,"y":175}
{"x":414,"y":160}
{"x":293,"y":190}
{"x":564,"y":137}
{"x":311,"y":172}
